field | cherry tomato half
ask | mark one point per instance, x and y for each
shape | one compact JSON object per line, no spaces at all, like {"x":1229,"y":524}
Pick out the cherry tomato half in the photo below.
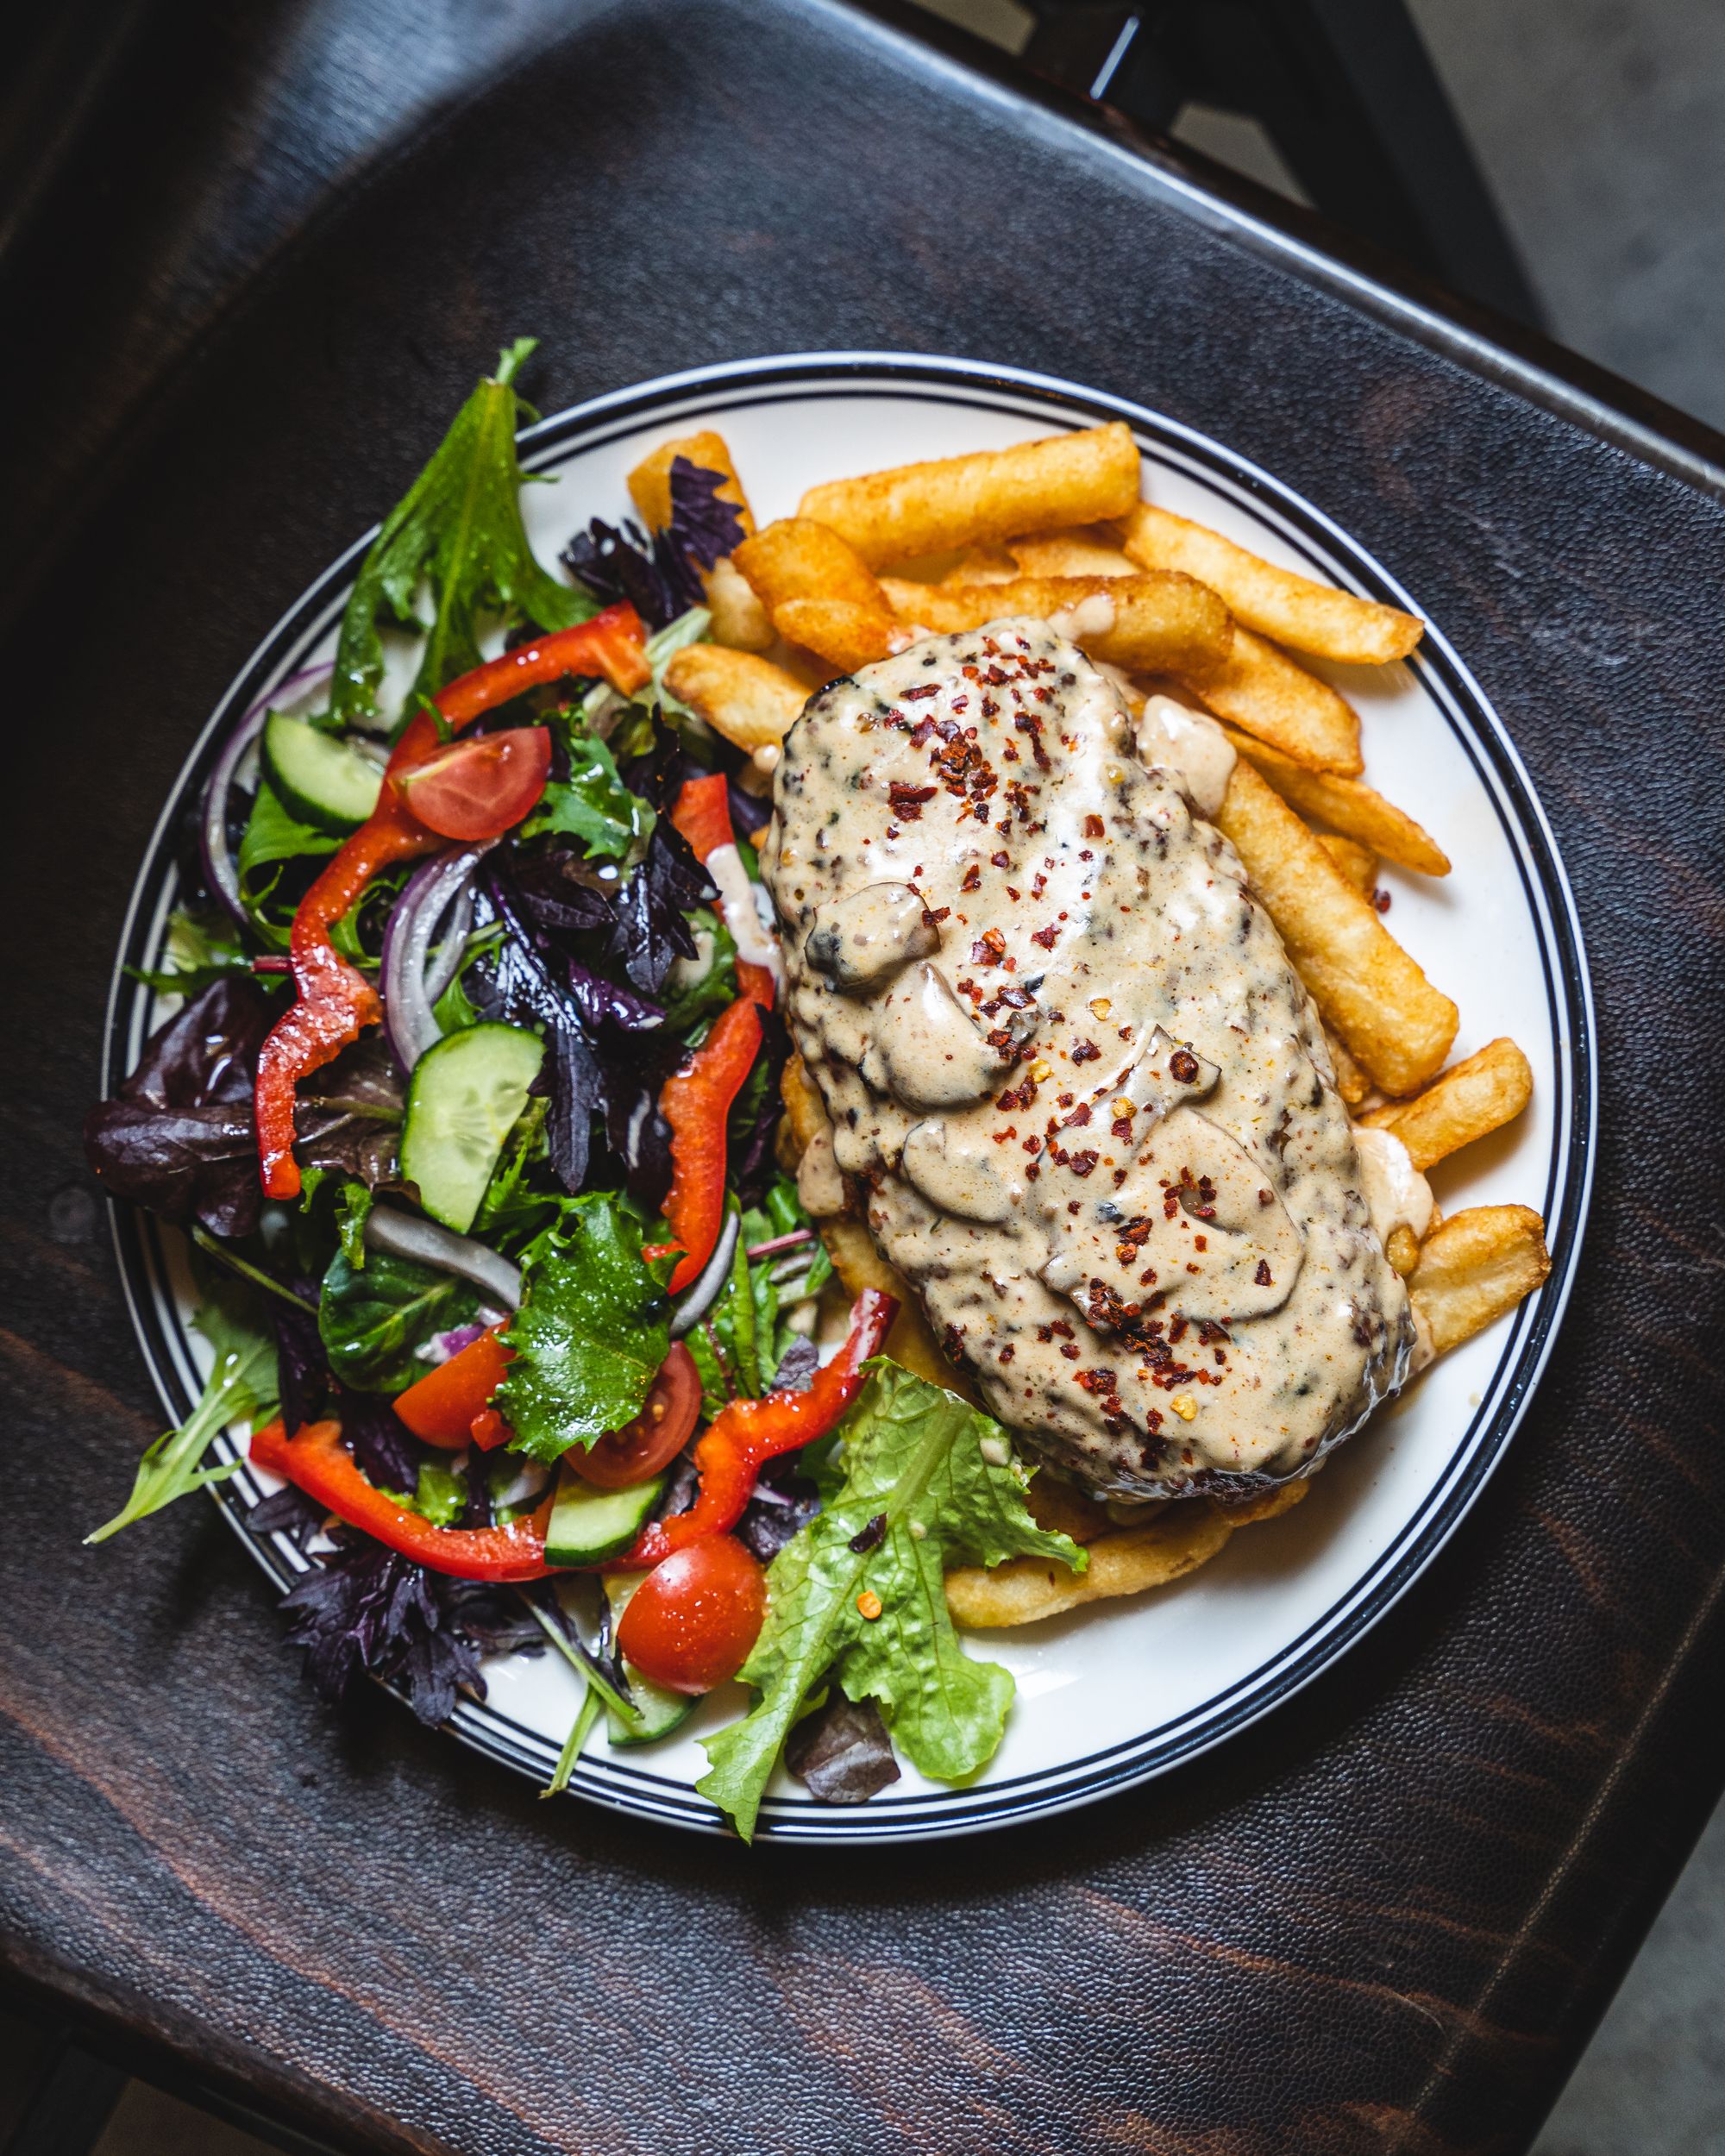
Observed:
{"x":442,"y":1406}
{"x":691,"y":1623}
{"x":657,"y":1434}
{"x":477,"y":789}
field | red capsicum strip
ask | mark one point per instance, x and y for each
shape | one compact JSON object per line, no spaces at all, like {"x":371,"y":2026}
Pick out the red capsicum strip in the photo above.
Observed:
{"x":696,"y":1102}
{"x":702,"y":814}
{"x":322,"y":1467}
{"x":335,"y":1002}
{"x":743,"y":1436}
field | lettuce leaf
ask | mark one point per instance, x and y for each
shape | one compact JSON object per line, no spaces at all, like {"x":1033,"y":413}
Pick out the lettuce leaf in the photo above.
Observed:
{"x":593,"y":804}
{"x":242,"y":1380}
{"x":459,"y":528}
{"x":929,"y":1482}
{"x":593,"y":1327}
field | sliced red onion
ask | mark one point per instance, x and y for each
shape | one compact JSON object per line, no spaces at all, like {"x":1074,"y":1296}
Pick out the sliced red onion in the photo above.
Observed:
{"x":223,"y":877}
{"x":443,"y":1347}
{"x":440,"y":887}
{"x":700,"y":1297}
{"x":790,"y":1242}
{"x":410,"y":1235}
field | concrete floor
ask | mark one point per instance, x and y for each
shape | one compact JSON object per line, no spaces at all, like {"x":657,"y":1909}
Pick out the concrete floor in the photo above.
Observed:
{"x":1597,"y":122}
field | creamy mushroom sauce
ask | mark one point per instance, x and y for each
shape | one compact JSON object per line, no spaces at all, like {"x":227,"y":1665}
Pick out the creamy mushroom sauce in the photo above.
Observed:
{"x":1069,"y":1068}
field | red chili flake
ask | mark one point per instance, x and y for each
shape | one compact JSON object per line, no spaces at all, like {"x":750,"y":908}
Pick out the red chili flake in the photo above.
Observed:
{"x":1380,"y":899}
{"x":1027,"y":722}
{"x":1093,"y":828}
{"x":1183,"y":1064}
{"x":1101,"y":1381}
{"x":1079,"y":1116}
{"x":1082,"y":1163}
{"x":1122,"y":1127}
{"x":1262,"y":1275}
{"x":1001,"y":860}
{"x":1070,"y":1351}
{"x":939,"y":914}
{"x":928,"y":688}
{"x":1085,"y":1052}
{"x":1007,"y":1353}
{"x":1046,"y":936}
{"x":1011,"y":894}
{"x":990,"y":708}
{"x":972,"y":880}
{"x":907,"y":801}
{"x":1032,"y":1145}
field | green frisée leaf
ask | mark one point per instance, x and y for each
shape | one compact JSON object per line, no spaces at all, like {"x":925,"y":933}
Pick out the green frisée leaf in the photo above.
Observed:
{"x":198,"y":949}
{"x":374,"y":1322}
{"x":458,"y":528}
{"x":941,"y":1478}
{"x":243,"y":1381}
{"x":593,"y":1327}
{"x":593,"y":804}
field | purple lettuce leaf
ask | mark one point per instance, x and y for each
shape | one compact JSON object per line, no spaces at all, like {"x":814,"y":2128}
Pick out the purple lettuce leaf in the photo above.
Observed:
{"x":287,"y":1511}
{"x":653,"y":575}
{"x":842,"y":1752}
{"x":571,"y":1080}
{"x":752,"y":1161}
{"x":178,"y":1136}
{"x":651,"y":933}
{"x":782,"y":1503}
{"x":703,"y":527}
{"x":367,"y":1610}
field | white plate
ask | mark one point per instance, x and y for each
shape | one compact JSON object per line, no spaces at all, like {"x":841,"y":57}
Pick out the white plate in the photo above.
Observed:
{"x":1110,"y":1695}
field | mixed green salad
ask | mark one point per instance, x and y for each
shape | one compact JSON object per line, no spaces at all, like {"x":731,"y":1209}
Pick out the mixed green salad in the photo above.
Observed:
{"x":467,"y":1102}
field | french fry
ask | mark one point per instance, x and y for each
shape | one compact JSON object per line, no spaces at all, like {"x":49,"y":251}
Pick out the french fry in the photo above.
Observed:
{"x":1081,"y":551}
{"x":1348,"y":806}
{"x":1129,"y":1561}
{"x":820,"y":594}
{"x":843,"y":633}
{"x":1358,"y":864}
{"x":804,"y":1110}
{"x":1293,"y":610}
{"x":1403,"y":1249}
{"x":982,"y":565}
{"x":966,"y":501}
{"x":1479,"y":1094}
{"x":1144,"y":624}
{"x":746,"y":698}
{"x":1369,"y":990}
{"x":909,"y":1343}
{"x":1352,"y":1083}
{"x":650,"y":483}
{"x":796,"y":558}
{"x":738,"y":619}
{"x":1261,"y":689}
{"x":1473,"y":1269}
{"x":1066,"y":1510}
{"x":1273,"y":1503}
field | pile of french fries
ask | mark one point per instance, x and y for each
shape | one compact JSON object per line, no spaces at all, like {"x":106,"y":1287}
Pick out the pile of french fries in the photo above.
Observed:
{"x":1057,"y":529}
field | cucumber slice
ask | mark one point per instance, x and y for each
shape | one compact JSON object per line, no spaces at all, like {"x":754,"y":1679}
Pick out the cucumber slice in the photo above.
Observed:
{"x":589,"y":1524}
{"x":657,"y":1711}
{"x":467,"y":1091}
{"x":322,"y":780}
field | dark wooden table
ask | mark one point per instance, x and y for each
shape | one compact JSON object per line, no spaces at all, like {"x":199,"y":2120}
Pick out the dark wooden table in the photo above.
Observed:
{"x":1386,"y":1918}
